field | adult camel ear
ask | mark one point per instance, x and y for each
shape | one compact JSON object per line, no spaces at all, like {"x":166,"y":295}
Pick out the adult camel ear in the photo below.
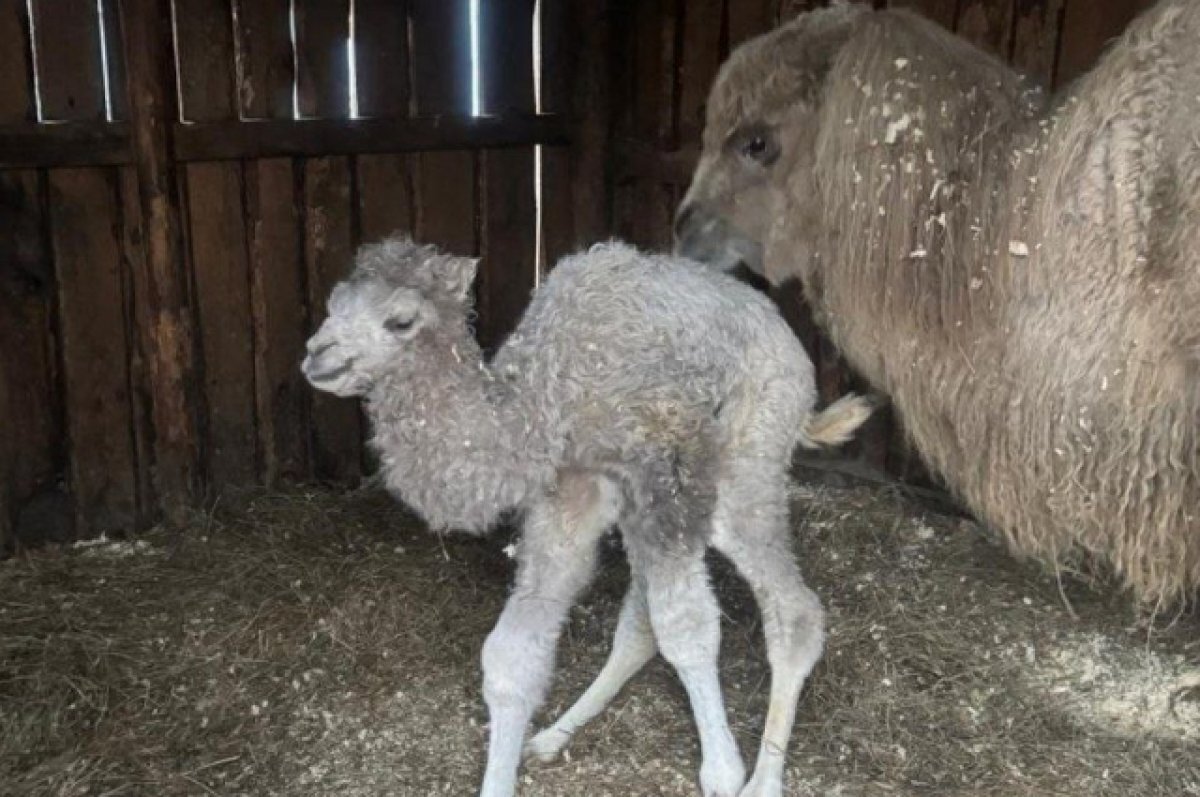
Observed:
{"x":457,"y":274}
{"x":810,"y":42}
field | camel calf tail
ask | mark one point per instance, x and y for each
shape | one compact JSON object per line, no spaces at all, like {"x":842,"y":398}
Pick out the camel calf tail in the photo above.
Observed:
{"x":837,"y":423}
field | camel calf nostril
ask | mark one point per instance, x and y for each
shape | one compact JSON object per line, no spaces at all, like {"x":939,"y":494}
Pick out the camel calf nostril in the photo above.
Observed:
{"x":317,"y":348}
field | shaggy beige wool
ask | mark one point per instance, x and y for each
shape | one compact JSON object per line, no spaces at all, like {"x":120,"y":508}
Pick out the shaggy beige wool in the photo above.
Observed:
{"x":1020,"y":274}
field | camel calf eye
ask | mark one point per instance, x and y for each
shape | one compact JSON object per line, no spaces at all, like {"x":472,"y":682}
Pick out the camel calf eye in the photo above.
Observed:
{"x":398,"y":324}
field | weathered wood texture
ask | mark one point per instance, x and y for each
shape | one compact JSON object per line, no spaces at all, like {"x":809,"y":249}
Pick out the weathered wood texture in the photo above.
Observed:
{"x":508,"y":213}
{"x":1087,"y":28}
{"x":579,"y":59}
{"x":1036,"y":27}
{"x":273,"y":236}
{"x":164,"y":351}
{"x":322,"y":29}
{"x":385,"y":182}
{"x":218,"y":251}
{"x":943,"y":12}
{"x":154,"y":314}
{"x":558,"y":63}
{"x":31,"y":448}
{"x":446,"y":182}
{"x":91,"y":276}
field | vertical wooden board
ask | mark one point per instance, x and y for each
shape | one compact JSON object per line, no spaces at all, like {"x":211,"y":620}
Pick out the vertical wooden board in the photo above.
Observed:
{"x":749,"y":18}
{"x":205,"y":54}
{"x":942,"y":12}
{"x":1087,"y":29}
{"x":699,"y":59}
{"x":115,"y":58}
{"x":506,"y":56}
{"x":163,"y":318}
{"x":92,"y":304}
{"x":655,"y":209}
{"x":654,"y":115}
{"x":385,"y":196}
{"x":278,"y":311}
{"x":381,"y":47}
{"x":561,"y":27}
{"x":509,"y":246}
{"x":222,"y":278}
{"x":31,"y":449}
{"x":8,"y":501}
{"x":655,"y":64}
{"x":322,"y":77}
{"x":321,"y":30}
{"x":561,"y":79}
{"x":265,"y":65}
{"x":440,"y":36}
{"x":274,"y":240}
{"x":95,"y":360}
{"x":599,"y":87}
{"x":385,"y":182}
{"x":612,"y":60}
{"x":1036,"y":26}
{"x":69,"y":65}
{"x":447,"y":207}
{"x":987,"y":24}
{"x":134,"y":271}
{"x":509,"y":219}
{"x":624,"y":201}
{"x":559,"y":231}
{"x":220,"y":269}
{"x":667,"y":118}
{"x":31,"y":441}
{"x":328,"y":249}
{"x":16,"y":69}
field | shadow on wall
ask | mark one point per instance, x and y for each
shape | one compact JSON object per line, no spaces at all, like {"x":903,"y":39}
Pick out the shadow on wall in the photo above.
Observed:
{"x":27,"y":470}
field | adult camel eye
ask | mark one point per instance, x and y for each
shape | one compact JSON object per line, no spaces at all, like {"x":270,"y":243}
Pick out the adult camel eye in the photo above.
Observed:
{"x":755,"y":147}
{"x":758,"y":145}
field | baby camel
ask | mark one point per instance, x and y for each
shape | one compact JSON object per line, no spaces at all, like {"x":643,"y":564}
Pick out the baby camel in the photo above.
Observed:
{"x":638,"y":390}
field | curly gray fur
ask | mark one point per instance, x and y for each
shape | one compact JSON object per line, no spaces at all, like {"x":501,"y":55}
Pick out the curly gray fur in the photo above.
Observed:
{"x":638,"y":390}
{"x":621,"y":358}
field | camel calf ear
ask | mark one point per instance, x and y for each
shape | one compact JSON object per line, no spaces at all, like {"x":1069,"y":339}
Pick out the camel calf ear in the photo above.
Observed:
{"x":458,"y":274}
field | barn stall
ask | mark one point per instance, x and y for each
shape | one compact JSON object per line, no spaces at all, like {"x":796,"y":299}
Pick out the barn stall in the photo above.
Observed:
{"x":205,"y":592}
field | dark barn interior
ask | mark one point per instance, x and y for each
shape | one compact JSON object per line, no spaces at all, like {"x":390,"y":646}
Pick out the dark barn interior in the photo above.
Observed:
{"x":181,"y":184}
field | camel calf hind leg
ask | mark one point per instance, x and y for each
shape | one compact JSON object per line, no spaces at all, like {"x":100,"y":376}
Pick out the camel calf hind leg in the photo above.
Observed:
{"x":751,"y":530}
{"x":633,"y":646}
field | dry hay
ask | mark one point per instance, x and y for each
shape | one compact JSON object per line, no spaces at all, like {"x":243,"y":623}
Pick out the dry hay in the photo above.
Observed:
{"x":306,"y":643}
{"x":1135,"y":691}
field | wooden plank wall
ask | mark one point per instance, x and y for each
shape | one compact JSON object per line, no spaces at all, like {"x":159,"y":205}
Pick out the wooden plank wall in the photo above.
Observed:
{"x":671,"y":51}
{"x":163,"y":260}
{"x":32,"y":454}
{"x":103,"y":379}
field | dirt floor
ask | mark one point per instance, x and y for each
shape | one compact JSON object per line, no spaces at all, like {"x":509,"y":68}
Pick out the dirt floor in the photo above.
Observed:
{"x":308,"y":643}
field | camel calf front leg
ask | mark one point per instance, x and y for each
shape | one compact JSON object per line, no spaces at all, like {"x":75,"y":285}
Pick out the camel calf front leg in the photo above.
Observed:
{"x":555,"y":561}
